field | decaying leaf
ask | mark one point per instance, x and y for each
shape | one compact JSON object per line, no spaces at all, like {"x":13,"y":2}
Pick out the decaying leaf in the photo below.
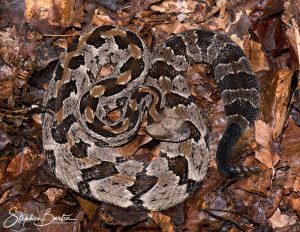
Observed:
{"x":177,"y":27}
{"x":163,"y":221}
{"x":56,"y":13}
{"x":263,"y":136}
{"x":283,"y":93}
{"x":25,"y":160}
{"x":280,"y":219}
{"x":258,"y":57}
{"x":296,"y":204}
{"x":291,"y":147}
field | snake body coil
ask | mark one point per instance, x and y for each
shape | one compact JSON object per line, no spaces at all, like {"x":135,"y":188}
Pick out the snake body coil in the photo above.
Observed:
{"x":79,"y":135}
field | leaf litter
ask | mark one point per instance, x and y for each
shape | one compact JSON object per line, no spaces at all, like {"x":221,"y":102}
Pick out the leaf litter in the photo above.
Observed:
{"x":34,"y":33}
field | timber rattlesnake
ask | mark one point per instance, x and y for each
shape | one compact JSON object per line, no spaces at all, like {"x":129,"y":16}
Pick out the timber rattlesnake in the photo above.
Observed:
{"x":79,"y":135}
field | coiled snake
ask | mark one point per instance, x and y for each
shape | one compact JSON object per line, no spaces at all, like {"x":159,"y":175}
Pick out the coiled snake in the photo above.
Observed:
{"x":79,"y":136}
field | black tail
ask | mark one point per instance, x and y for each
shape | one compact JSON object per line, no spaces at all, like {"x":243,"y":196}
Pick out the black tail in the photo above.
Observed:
{"x":230,"y":137}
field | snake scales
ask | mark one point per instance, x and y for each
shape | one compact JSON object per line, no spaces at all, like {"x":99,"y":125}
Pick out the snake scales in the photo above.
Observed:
{"x":79,"y":136}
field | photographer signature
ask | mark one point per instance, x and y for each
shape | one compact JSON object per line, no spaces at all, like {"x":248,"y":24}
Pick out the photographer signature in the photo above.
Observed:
{"x":44,"y":220}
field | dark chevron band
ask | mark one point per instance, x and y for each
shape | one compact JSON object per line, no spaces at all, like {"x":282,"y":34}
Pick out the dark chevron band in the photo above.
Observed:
{"x":107,"y":85}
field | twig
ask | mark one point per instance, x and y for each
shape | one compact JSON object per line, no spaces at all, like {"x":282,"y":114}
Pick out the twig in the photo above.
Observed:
{"x":223,"y":218}
{"x":60,"y":36}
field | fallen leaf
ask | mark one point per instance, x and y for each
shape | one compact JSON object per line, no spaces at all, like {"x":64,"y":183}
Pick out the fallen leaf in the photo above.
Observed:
{"x":25,"y":160}
{"x":4,"y":138}
{"x":88,"y":206}
{"x":291,"y":146}
{"x":170,"y":6}
{"x":56,"y":13}
{"x":265,"y":153}
{"x":163,"y":221}
{"x":296,"y":205}
{"x":280,"y":219}
{"x":53,"y":194}
{"x":297,"y":184}
{"x":257,"y":57}
{"x":177,"y":27}
{"x":100,"y":19}
{"x":266,"y":157}
{"x":283,"y":92}
{"x":263,"y":134}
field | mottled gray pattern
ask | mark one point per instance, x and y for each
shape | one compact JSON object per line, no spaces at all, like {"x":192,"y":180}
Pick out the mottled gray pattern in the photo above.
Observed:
{"x":79,"y":138}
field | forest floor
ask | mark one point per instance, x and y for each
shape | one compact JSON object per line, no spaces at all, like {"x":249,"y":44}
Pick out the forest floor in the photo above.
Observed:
{"x":33,"y":34}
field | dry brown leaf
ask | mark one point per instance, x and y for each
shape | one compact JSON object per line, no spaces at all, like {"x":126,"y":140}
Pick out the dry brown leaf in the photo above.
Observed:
{"x":258,"y":184}
{"x":55,"y":12}
{"x":279,"y":219}
{"x":297,"y":184}
{"x":4,"y":197}
{"x":263,"y":134}
{"x":192,"y":219}
{"x":266,"y":157}
{"x":53,"y":194}
{"x":276,"y":159}
{"x":163,"y":221}
{"x":139,"y":140}
{"x":222,"y":22}
{"x":88,"y":206}
{"x":268,"y":83}
{"x":238,"y":41}
{"x":130,"y":148}
{"x":283,"y":92}
{"x":25,"y":160}
{"x":6,"y":89}
{"x":171,"y":6}
{"x":100,"y":19}
{"x":257,"y":57}
{"x":291,"y":147}
{"x":292,"y":32}
{"x":37,"y":118}
{"x":289,"y":182}
{"x":296,"y":205}
{"x":177,"y":27}
{"x":158,"y":8}
{"x":296,"y":28}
